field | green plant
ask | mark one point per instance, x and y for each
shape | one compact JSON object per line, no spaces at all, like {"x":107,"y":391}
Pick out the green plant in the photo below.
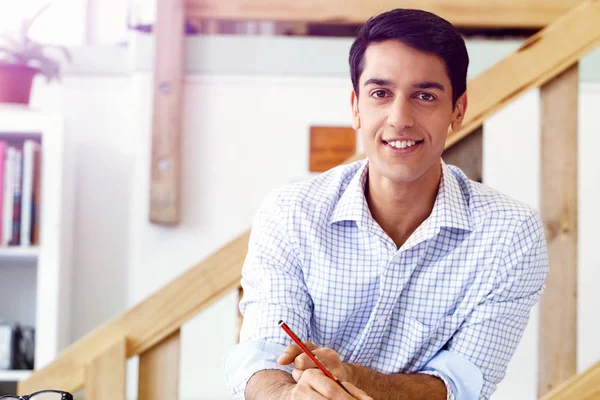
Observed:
{"x":21,"y":50}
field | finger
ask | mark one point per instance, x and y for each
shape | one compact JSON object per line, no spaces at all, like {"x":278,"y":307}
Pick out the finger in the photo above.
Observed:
{"x":292,"y":351}
{"x":297,"y":374}
{"x":303,"y":361}
{"x":324,"y":385}
{"x":356,"y":392}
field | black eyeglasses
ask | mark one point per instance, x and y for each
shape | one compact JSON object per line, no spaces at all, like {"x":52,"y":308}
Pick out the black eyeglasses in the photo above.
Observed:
{"x":43,"y":395}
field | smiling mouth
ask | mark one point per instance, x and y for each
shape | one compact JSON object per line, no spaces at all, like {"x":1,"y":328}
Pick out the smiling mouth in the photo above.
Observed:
{"x":402,"y":144}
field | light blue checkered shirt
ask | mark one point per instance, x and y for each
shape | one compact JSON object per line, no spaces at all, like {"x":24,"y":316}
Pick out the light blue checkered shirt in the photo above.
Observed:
{"x":453,"y":301}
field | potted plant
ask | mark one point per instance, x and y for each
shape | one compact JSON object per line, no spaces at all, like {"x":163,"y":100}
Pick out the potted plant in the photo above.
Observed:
{"x":21,"y":59}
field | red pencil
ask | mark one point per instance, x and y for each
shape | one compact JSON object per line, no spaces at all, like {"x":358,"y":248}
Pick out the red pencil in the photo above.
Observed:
{"x":310,"y":354}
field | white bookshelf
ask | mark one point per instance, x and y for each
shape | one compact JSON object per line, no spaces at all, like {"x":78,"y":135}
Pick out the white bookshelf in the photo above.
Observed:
{"x":14,"y":376}
{"x":35,"y":282}
{"x":18,"y":253}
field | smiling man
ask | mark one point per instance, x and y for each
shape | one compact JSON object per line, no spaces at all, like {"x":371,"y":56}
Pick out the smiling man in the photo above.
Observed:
{"x":409,"y":280}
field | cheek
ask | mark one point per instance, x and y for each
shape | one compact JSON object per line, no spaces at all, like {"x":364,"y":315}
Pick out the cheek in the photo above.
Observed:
{"x":371,"y":117}
{"x":436,"y":126}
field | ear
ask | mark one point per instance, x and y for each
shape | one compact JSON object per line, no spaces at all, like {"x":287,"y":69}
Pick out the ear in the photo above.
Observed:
{"x":355,"y":116}
{"x":459,"y":112}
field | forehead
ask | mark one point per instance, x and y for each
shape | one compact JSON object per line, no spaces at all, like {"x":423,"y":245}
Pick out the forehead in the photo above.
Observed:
{"x":393,"y":59}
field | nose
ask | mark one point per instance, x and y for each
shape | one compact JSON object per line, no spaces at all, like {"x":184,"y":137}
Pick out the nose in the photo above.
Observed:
{"x":401,"y":115}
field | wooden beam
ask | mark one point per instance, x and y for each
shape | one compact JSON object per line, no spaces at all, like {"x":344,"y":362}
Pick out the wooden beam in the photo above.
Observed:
{"x":105,"y":376}
{"x":468,"y":155}
{"x":152,"y":320}
{"x":158,"y":377}
{"x":558,"y":306}
{"x":585,"y":386}
{"x":166,"y":119}
{"x":462,"y":13}
{"x":540,"y":59}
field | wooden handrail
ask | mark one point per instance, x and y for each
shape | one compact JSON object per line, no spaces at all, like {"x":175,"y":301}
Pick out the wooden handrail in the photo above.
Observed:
{"x":585,"y":386}
{"x":541,"y":58}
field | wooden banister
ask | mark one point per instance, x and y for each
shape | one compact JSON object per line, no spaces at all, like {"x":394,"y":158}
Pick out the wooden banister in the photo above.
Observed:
{"x":585,"y":386}
{"x":156,"y":319}
{"x":149,"y":322}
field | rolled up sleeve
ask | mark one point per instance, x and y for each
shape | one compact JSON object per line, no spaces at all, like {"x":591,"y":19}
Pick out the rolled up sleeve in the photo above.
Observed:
{"x":246,"y":359}
{"x":462,"y":378}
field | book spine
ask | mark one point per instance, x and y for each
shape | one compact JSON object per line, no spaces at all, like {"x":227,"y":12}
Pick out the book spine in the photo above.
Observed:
{"x":2,"y":163}
{"x":8,"y":197}
{"x":18,"y":185}
{"x":27,"y":194}
{"x":36,"y":196}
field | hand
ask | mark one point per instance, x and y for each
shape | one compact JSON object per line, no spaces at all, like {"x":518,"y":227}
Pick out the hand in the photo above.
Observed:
{"x":313,"y":384}
{"x":328,"y":357}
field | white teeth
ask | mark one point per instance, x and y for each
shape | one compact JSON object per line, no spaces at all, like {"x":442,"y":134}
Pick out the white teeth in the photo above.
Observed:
{"x":402,"y":144}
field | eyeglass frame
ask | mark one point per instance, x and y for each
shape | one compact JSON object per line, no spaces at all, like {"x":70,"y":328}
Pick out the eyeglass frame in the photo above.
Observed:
{"x":65,"y":395}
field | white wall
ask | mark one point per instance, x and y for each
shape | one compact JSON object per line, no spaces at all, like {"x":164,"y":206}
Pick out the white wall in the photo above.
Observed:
{"x":99,"y":118}
{"x":242,"y":136}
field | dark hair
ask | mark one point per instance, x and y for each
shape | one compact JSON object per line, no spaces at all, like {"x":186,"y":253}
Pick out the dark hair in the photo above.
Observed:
{"x":420,"y":30}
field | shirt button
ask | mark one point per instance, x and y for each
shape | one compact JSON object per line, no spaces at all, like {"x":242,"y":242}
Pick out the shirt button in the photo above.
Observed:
{"x":381,"y":320}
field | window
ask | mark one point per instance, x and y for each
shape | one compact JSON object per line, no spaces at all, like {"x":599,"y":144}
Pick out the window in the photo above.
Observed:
{"x":70,"y":22}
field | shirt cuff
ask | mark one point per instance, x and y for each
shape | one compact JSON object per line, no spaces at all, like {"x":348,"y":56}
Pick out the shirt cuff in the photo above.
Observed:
{"x":449,"y":387}
{"x":243,"y":360}
{"x":462,"y":378}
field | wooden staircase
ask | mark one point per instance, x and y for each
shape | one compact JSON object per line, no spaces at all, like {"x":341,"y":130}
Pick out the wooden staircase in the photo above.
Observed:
{"x":96,"y":363}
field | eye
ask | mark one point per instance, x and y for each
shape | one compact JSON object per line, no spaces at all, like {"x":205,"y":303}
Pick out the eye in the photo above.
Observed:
{"x":379,"y":94}
{"x":426,"y":96}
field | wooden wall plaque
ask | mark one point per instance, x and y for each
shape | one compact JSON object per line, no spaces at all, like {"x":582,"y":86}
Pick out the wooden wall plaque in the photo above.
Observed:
{"x":330,"y":146}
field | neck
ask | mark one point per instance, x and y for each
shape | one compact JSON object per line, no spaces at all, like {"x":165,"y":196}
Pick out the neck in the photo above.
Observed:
{"x":400,"y":207}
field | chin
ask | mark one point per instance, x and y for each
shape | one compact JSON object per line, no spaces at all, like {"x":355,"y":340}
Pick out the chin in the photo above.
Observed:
{"x":400,"y":173}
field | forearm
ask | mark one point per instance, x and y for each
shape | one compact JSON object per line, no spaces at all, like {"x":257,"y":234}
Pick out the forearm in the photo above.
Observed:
{"x":396,"y":386}
{"x":270,"y":385}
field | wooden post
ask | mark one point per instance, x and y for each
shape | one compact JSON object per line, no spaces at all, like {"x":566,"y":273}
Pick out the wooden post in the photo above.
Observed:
{"x":558,"y":308}
{"x":105,"y":377}
{"x":159,"y":370}
{"x":166,"y":122}
{"x":468,"y":155}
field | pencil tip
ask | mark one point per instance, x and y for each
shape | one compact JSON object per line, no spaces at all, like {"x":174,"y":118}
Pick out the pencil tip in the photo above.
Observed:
{"x":280,"y":322}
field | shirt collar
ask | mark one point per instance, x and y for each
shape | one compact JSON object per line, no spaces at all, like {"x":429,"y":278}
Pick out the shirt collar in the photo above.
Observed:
{"x":352,"y":204}
{"x":451,"y":208}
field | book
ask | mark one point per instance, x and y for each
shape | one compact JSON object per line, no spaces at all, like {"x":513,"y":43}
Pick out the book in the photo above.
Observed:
{"x":29,"y":149}
{"x":17,"y":194}
{"x":36,"y":196}
{"x":8,"y":195}
{"x":2,"y":161}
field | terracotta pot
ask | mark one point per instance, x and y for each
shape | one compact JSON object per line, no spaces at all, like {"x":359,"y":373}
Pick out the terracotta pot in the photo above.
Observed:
{"x":15,"y":83}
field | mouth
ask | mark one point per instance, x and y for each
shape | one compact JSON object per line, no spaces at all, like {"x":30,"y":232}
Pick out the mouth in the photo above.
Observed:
{"x":402,"y":146}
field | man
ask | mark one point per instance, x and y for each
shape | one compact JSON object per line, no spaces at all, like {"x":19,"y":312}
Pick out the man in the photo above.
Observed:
{"x":412,"y":281}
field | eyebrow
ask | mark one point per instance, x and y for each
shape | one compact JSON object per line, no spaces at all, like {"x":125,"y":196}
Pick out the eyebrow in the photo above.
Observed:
{"x":420,"y":85}
{"x":429,"y":85}
{"x":379,"y":82}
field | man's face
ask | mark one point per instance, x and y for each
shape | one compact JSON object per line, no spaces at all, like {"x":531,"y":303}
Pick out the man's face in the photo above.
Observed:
{"x":403,"y":110}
